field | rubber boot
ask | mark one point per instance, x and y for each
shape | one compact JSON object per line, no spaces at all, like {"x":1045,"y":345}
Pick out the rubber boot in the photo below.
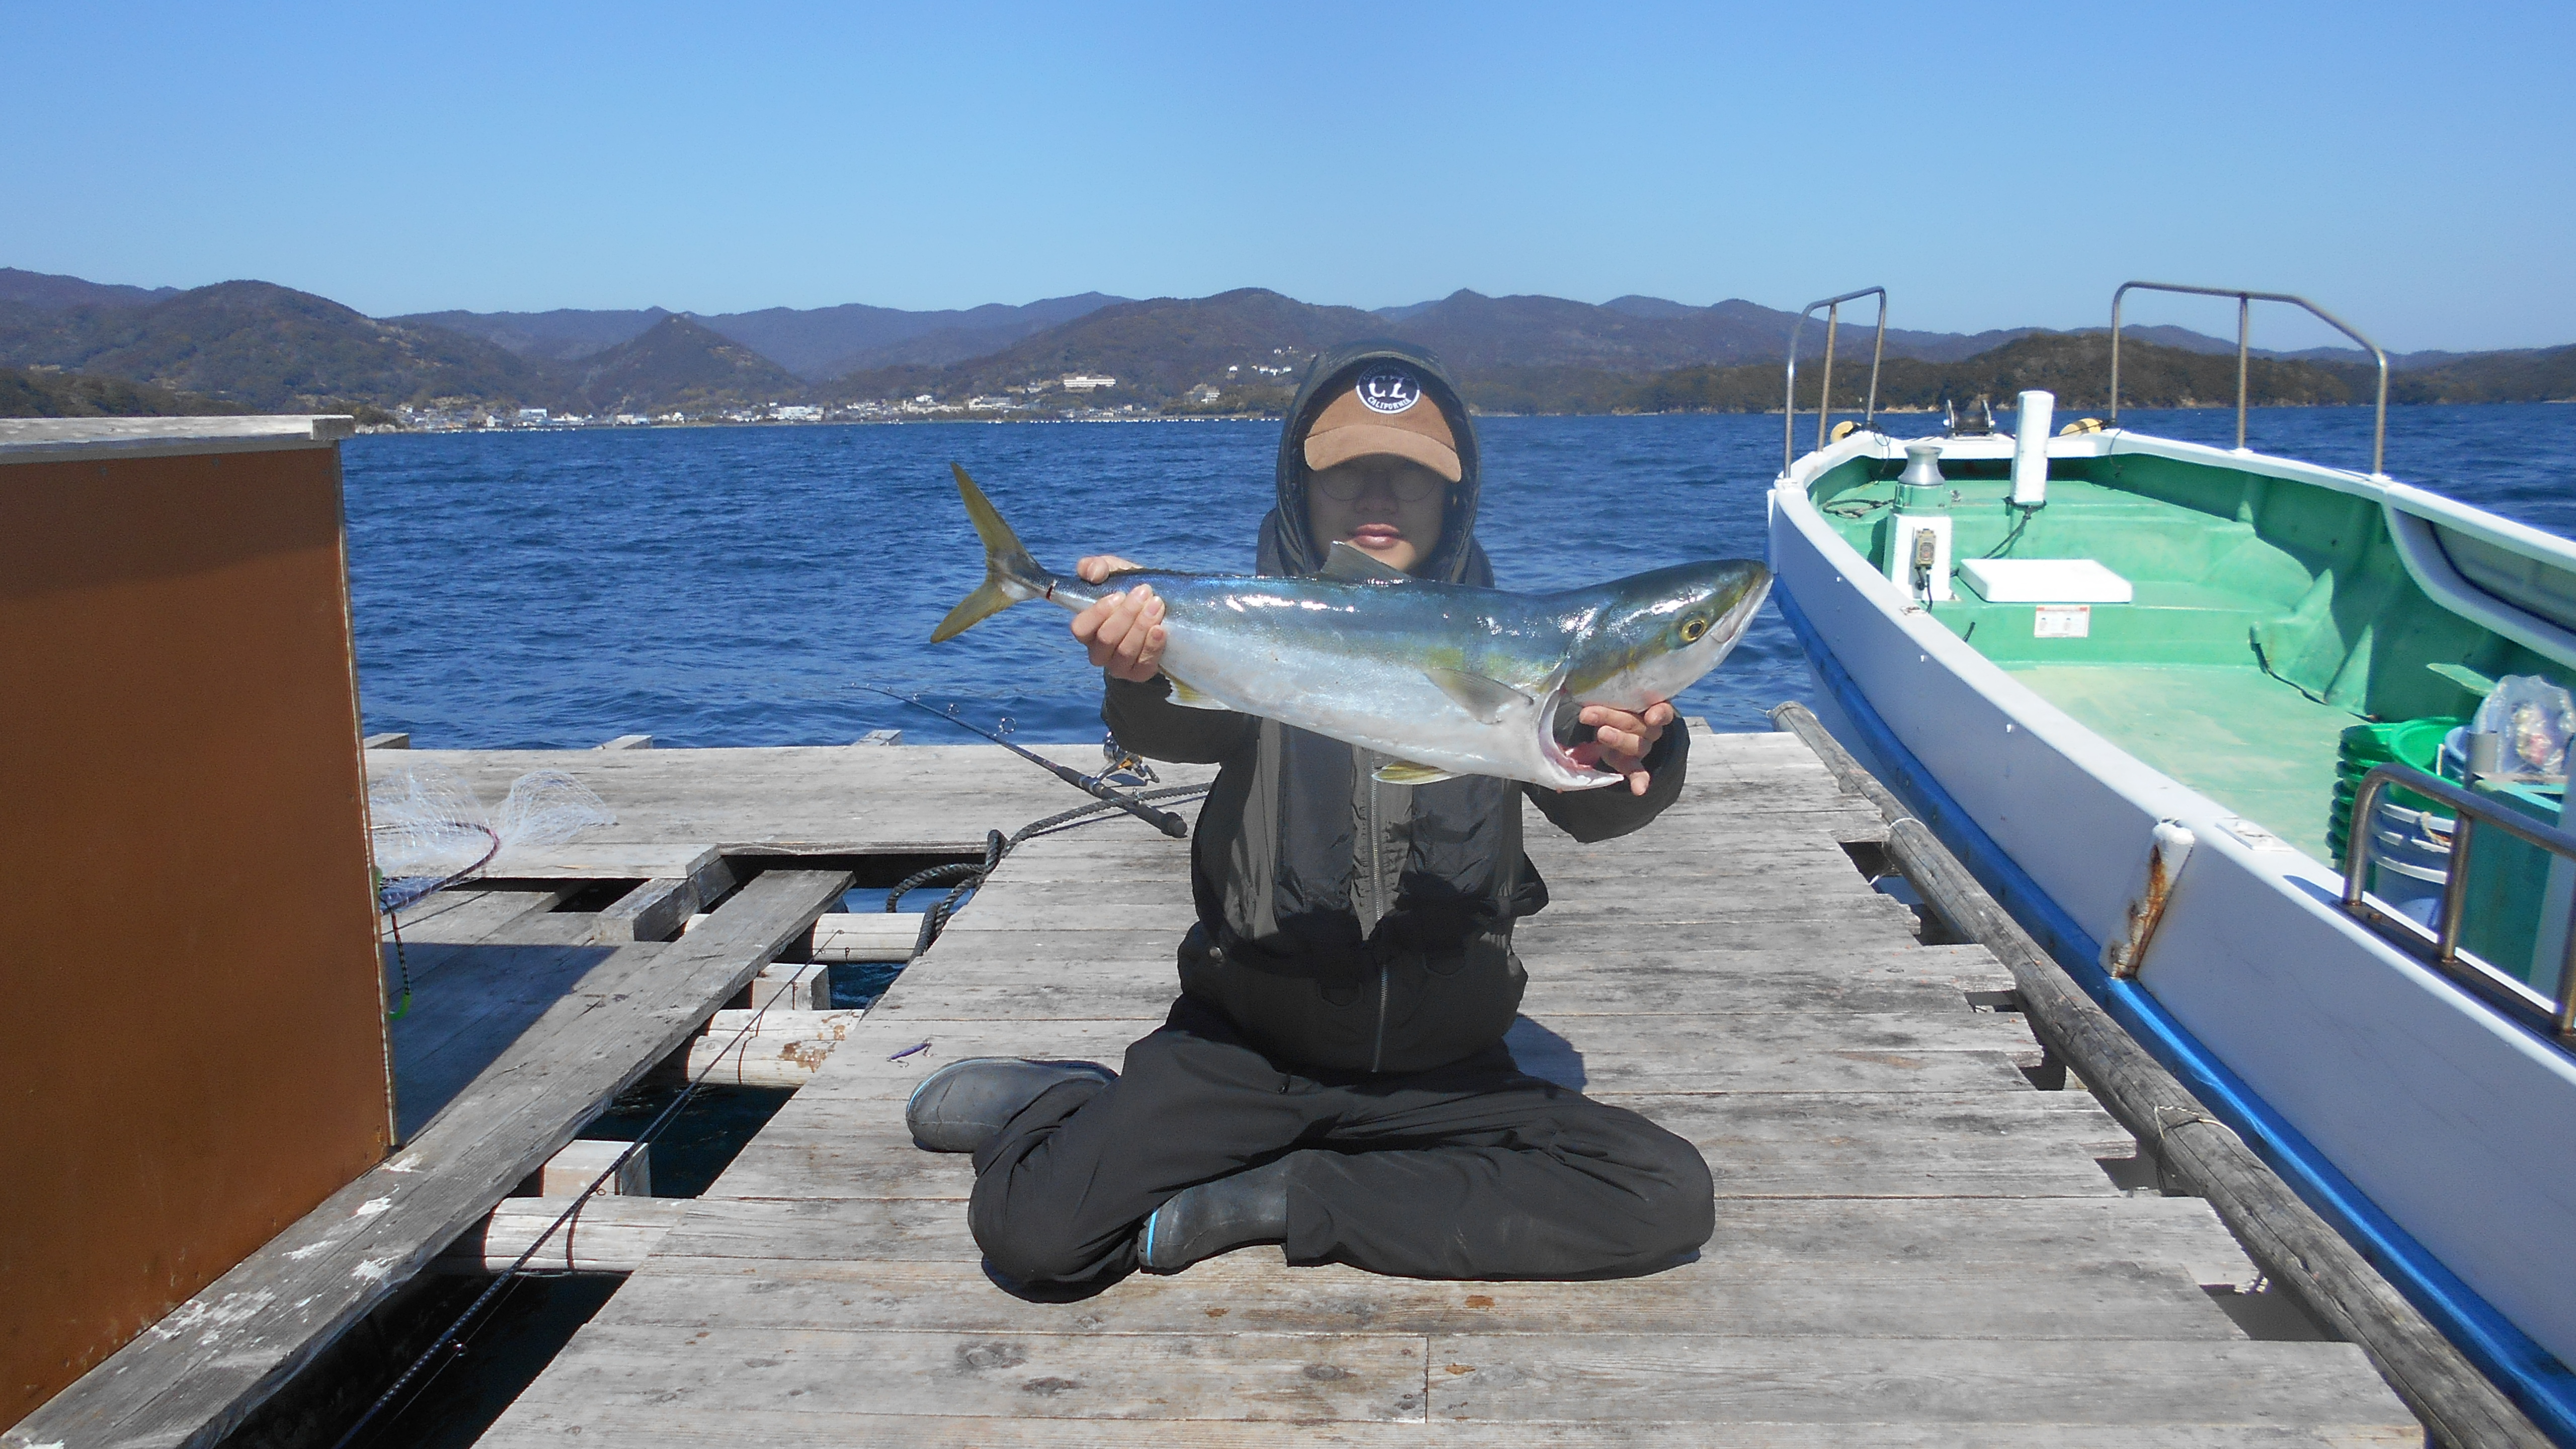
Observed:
{"x":967,"y":1103}
{"x":1216,"y":1217}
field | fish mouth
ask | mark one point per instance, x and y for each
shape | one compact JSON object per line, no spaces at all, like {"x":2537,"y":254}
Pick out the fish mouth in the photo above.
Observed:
{"x":1559,"y":725}
{"x":1740,"y":617}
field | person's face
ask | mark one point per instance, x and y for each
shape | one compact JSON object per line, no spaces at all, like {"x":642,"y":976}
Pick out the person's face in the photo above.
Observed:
{"x":1387,"y":507}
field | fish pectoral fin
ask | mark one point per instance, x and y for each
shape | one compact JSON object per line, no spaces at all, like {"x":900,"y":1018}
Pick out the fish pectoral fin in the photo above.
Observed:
{"x":1354,"y":566}
{"x":1190,"y":698}
{"x":1486,"y":699}
{"x":1405,"y":772}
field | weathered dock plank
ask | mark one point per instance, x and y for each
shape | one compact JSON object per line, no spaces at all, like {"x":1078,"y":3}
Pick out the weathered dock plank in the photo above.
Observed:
{"x":932,"y":799}
{"x":1729,"y":1053}
{"x":463,"y":917}
{"x":1915,"y":1246}
{"x":1025,"y":976}
{"x":819,"y":1427}
{"x":2097,"y":1300}
{"x":1587,"y":1377}
{"x":1758,"y":1145}
{"x":1291,"y":1377}
{"x":1809,"y":1236}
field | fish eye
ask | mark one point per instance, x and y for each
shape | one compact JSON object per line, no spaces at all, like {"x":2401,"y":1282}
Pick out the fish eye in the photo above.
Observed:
{"x":1693,"y":627}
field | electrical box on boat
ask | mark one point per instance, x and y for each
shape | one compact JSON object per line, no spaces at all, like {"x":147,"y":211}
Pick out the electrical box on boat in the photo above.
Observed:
{"x":2045,"y":581}
{"x":1918,"y":556}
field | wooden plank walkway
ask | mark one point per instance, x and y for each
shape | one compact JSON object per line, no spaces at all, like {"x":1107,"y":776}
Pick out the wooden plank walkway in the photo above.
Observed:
{"x":1914,"y":1245}
{"x":527,"y":1021}
{"x":811,"y":800}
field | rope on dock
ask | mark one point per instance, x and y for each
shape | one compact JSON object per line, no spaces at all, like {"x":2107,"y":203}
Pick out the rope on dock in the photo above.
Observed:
{"x":965,"y":875}
{"x":2198,"y":1153}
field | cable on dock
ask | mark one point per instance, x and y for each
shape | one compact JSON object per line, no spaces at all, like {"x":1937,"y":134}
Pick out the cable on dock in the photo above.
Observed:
{"x":451,"y":1343}
{"x":966,"y":875}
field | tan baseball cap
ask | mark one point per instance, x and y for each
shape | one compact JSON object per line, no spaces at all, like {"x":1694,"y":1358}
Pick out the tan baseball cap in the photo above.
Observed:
{"x":1384,"y":411}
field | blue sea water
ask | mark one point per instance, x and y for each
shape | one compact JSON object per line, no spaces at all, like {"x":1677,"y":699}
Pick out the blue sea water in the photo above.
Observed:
{"x":729,"y":586}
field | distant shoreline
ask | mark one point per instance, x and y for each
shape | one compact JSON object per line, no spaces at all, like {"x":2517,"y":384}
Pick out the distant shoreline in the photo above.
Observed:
{"x":1903,"y":411}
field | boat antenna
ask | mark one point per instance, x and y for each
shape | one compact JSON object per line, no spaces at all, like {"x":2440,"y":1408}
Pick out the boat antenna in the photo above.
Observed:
{"x":1092,"y":785}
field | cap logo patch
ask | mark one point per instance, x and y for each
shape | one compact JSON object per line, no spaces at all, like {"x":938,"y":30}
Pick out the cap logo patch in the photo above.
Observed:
{"x":1389,"y":390}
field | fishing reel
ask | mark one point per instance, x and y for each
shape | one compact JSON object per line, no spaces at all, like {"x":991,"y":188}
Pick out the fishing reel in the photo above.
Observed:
{"x":1123,"y":766}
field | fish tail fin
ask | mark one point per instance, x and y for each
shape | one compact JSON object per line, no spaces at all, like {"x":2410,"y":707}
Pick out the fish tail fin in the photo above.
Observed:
{"x":1010,"y":575}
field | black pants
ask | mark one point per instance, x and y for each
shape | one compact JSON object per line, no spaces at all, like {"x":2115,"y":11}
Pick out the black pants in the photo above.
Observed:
{"x":1472,"y":1170}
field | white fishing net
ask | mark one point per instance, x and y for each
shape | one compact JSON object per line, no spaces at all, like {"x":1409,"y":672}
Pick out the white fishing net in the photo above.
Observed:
{"x":431,"y":830}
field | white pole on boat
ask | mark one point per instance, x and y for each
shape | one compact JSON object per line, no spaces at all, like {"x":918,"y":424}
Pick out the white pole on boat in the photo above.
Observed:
{"x":2244,"y":344}
{"x":2030,"y":449}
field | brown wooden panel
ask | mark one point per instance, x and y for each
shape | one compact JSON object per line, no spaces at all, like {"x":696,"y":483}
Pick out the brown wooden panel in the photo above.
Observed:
{"x":178,"y":744}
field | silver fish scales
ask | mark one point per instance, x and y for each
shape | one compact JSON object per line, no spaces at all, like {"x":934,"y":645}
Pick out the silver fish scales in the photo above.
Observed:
{"x":1446,"y":679}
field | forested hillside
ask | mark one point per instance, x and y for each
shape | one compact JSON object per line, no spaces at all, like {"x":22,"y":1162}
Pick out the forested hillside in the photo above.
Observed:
{"x":260,"y":346}
{"x":32,"y":393}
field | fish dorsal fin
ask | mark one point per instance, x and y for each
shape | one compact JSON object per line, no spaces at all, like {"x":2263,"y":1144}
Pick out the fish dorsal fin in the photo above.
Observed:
{"x":1190,"y":697}
{"x":1405,"y":772}
{"x":1484,"y":698}
{"x":1350,"y":565}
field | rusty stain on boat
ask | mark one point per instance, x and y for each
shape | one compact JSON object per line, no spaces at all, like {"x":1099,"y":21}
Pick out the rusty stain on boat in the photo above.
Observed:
{"x":2168,"y":849}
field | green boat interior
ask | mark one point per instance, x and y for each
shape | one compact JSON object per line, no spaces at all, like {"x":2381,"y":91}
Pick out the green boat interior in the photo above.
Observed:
{"x":2268,"y":619}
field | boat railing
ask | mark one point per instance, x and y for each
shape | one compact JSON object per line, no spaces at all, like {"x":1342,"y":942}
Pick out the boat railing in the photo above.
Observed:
{"x":2554,"y":1013}
{"x":2244,"y":326}
{"x":1825,"y":396}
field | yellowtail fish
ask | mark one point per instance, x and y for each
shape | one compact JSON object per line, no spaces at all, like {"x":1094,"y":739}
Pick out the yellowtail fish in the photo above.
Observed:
{"x":1449,"y":680}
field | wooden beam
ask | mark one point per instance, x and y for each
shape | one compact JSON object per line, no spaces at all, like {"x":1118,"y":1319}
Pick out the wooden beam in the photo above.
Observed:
{"x":795,"y":987}
{"x":605,"y":1235}
{"x":842,"y":937}
{"x":657,"y":909}
{"x":572,"y":1170}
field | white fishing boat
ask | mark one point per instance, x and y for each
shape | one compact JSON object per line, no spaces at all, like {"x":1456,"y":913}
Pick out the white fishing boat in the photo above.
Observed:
{"x":2163,"y":699}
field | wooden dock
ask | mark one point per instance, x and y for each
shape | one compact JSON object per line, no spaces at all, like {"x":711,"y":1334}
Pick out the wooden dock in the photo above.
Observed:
{"x":529,"y":1018}
{"x":1915,"y":1245}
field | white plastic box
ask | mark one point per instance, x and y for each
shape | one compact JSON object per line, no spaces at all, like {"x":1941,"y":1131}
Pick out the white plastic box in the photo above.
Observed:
{"x":2044,"y":581}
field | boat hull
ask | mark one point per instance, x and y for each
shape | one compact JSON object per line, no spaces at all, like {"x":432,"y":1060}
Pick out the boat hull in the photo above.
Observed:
{"x":2436,"y":1132}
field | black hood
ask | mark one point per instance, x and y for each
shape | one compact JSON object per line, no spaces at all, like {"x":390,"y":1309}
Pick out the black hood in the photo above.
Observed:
{"x":1288,"y":545}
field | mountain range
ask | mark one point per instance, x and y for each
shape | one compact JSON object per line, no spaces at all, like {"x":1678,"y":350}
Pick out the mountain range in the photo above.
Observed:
{"x":816,"y":344}
{"x":259,"y":345}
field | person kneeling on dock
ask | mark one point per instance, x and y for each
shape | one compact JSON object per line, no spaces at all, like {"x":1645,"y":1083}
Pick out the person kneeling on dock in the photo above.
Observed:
{"x":1333,"y":1077}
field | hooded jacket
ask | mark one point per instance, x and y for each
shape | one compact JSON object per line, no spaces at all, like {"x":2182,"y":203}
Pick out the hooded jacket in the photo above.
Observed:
{"x":1345,"y":924}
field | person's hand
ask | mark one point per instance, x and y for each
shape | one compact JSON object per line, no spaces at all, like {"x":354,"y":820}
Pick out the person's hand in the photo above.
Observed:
{"x":1123,"y":631}
{"x":1621,"y":740}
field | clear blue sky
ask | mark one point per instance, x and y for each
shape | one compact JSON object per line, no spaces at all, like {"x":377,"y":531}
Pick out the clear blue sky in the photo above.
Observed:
{"x":1992,"y":164}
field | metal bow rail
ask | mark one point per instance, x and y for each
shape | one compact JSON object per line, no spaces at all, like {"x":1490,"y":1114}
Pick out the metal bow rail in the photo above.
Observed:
{"x":1825,"y":396}
{"x":2555,"y":1014}
{"x":2244,"y":321}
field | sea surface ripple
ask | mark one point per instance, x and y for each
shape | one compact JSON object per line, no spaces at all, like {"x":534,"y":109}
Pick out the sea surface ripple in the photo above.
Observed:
{"x":730,"y":586}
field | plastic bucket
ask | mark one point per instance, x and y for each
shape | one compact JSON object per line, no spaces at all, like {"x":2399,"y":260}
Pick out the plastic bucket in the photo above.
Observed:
{"x":2416,"y":742}
{"x":2410,"y":860}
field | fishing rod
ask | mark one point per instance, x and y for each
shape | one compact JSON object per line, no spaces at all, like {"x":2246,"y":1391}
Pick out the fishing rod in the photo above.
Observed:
{"x":1092,"y":785}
